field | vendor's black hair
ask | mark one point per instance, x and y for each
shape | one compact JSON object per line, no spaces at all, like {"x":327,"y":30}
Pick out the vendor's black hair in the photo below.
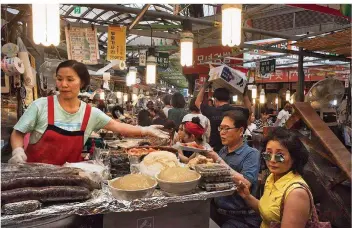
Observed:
{"x":177,"y":100}
{"x":290,"y":140}
{"x":192,"y":105}
{"x":222,"y":94}
{"x":80,"y":69}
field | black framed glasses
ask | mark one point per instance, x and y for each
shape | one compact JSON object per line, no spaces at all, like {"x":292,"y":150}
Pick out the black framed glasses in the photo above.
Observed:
{"x":225,"y":129}
{"x":277,"y":157}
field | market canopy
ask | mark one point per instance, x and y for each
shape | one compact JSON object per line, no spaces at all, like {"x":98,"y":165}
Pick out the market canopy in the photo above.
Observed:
{"x":338,"y":42}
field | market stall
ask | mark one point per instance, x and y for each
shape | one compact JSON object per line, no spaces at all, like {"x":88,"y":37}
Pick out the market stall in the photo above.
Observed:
{"x":129,"y":59}
{"x":88,"y":188}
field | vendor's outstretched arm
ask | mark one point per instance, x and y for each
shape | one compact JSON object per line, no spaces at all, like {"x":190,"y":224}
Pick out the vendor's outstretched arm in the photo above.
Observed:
{"x":135,"y":131}
{"x":17,"y":139}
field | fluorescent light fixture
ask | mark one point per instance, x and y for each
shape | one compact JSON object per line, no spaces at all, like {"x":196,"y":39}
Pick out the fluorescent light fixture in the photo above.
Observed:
{"x":234,"y":98}
{"x":254,"y":92}
{"x":288,"y":95}
{"x":262,"y":96}
{"x":231,"y":24}
{"x":131,"y":76}
{"x":46,"y":24}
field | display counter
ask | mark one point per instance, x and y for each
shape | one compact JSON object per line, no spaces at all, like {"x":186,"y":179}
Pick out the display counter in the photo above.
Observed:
{"x":160,"y":210}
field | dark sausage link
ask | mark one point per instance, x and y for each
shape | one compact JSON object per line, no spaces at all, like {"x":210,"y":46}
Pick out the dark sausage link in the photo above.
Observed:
{"x":46,"y":194}
{"x":20,"y":207}
{"x":41,"y":181}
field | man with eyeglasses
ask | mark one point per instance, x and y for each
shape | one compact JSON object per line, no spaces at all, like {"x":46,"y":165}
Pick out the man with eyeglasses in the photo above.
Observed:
{"x":215,"y":113}
{"x":232,"y":211}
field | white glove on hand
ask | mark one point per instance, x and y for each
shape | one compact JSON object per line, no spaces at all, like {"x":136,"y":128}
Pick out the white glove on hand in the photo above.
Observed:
{"x":18,"y":156}
{"x":154,"y":130}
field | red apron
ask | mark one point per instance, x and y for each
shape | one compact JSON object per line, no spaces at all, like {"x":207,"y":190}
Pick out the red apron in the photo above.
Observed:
{"x":57,"y":145}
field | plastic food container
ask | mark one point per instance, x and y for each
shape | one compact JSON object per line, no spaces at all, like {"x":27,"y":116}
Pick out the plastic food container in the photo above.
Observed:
{"x":213,"y":170}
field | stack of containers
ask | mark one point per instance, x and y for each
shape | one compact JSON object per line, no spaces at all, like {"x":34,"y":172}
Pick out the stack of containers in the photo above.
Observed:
{"x":215,"y":177}
{"x":119,"y":163}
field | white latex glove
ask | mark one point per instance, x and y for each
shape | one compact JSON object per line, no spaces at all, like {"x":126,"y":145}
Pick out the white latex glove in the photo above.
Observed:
{"x":154,"y":130}
{"x":18,"y":156}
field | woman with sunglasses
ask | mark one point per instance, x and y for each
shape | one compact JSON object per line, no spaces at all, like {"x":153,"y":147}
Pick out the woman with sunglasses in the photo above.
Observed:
{"x":285,"y":157}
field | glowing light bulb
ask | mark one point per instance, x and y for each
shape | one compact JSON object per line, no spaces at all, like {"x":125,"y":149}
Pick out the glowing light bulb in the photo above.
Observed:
{"x":262,"y":96}
{"x":231,"y":24}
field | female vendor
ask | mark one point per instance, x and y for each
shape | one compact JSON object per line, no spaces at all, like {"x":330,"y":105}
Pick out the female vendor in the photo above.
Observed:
{"x":60,"y":125}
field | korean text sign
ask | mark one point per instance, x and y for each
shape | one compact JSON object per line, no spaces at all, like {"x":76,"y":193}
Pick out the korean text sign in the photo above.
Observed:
{"x":116,"y":43}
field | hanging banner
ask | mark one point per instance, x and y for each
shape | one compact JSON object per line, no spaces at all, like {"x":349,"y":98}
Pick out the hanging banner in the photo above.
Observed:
{"x":216,"y":55}
{"x":116,"y":43}
{"x":82,"y":44}
{"x":143,"y":57}
{"x":32,"y":61}
{"x":284,"y":75}
{"x":29,"y":96}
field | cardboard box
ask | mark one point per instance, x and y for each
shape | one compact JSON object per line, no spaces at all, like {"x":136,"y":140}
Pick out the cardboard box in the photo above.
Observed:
{"x":225,"y":77}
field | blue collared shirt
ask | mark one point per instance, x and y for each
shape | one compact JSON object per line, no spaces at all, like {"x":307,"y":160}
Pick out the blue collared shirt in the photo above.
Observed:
{"x":244,"y":160}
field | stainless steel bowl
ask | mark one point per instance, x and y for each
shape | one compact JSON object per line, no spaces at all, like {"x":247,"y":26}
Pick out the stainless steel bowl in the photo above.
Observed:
{"x":132,"y":194}
{"x":178,"y":188}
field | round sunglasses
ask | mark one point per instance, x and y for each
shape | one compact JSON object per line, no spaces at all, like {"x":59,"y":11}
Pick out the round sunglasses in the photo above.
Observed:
{"x":277,"y":157}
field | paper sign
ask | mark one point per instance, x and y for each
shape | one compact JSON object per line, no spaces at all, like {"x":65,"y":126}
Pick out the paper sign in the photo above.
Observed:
{"x":142,"y":57}
{"x":116,"y":43}
{"x":267,"y":66}
{"x":82,"y":44}
{"x":77,"y":10}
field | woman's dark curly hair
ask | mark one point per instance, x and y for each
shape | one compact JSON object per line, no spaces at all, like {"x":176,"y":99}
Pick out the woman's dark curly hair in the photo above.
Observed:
{"x":290,"y":140}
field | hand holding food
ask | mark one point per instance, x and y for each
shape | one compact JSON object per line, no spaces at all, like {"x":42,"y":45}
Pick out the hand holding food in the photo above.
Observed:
{"x":200,"y":159}
{"x":213,"y":155}
{"x":154,"y":130}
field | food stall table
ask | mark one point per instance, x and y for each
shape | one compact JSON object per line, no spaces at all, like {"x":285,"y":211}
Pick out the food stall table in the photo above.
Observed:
{"x":193,"y":214}
{"x":164,"y":211}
